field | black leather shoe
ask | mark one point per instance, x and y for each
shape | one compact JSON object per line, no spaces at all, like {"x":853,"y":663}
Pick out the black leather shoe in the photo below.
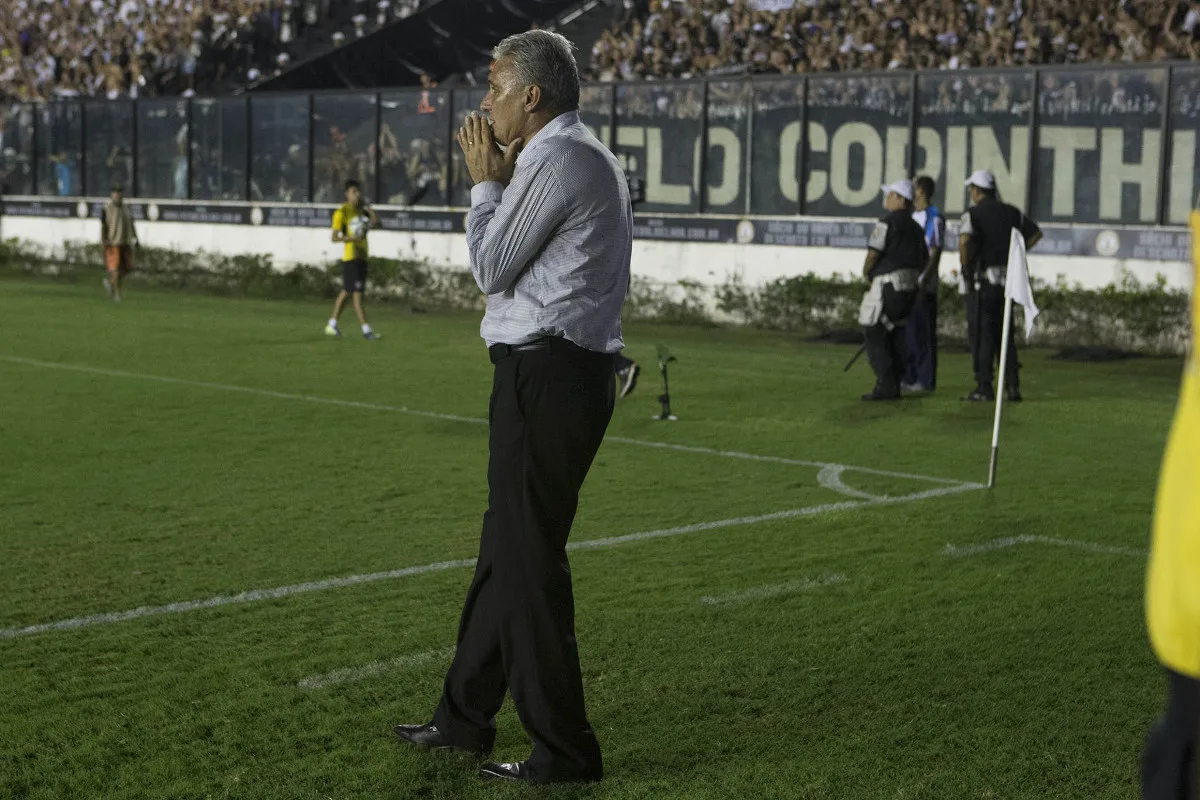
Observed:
{"x":521,"y":772}
{"x":431,"y":738}
{"x":628,"y":378}
{"x":875,"y":394}
{"x":1014,"y":395}
{"x":511,"y":771}
{"x":980,"y":396}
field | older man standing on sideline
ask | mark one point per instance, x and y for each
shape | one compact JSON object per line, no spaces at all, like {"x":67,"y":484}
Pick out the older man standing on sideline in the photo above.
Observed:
{"x":550,"y":236}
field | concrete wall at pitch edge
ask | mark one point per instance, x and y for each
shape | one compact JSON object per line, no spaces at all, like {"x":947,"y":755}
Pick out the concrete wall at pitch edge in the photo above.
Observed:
{"x":662,"y":262}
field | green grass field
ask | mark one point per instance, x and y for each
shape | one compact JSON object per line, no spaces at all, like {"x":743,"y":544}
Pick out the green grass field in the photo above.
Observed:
{"x":178,"y":448}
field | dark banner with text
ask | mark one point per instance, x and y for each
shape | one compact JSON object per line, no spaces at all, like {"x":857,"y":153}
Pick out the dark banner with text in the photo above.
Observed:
{"x":1102,"y":146}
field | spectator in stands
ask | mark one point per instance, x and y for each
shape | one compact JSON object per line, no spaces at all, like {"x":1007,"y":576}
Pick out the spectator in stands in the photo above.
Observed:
{"x":392,"y":167}
{"x":141,"y":48}
{"x":675,"y":39}
{"x":66,"y":174}
{"x":336,"y":166}
{"x":147,"y":48}
{"x":425,"y":173}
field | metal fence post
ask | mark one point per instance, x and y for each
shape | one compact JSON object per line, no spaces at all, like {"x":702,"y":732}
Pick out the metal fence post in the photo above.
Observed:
{"x":1031,"y":167}
{"x":1167,"y":147}
{"x":189,"y":122}
{"x":377,"y":165}
{"x":702,"y":167}
{"x":36,"y":161}
{"x":83,"y":159}
{"x":802,"y":194}
{"x":133,"y":155}
{"x":910,"y":152}
{"x":312,"y":189}
{"x":748,"y":160}
{"x":249,"y":145}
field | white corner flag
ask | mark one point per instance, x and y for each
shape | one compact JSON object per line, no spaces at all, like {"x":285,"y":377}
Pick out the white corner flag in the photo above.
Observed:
{"x":1016,"y":284}
{"x":1016,"y":290}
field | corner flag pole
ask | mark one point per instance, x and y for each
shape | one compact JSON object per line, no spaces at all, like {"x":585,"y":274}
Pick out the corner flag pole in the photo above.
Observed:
{"x":1016,"y":288}
{"x":1008,"y":312}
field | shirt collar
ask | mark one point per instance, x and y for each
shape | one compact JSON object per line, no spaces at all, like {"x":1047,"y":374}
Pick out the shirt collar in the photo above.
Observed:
{"x":554,"y":126}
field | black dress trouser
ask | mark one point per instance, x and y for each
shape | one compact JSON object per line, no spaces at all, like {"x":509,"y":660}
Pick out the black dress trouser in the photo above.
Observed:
{"x":549,"y":410}
{"x":1169,"y":761}
{"x":971,"y":300}
{"x":886,"y":348}
{"x":991,"y":334}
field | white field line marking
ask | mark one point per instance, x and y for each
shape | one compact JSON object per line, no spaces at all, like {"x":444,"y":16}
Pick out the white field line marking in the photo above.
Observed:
{"x":830,"y":477}
{"x":252,"y":596}
{"x":794,"y":462}
{"x":352,"y":674}
{"x":256,"y":595}
{"x":225,"y":387}
{"x":962,"y":551}
{"x":775,"y":590}
{"x":228,"y":387}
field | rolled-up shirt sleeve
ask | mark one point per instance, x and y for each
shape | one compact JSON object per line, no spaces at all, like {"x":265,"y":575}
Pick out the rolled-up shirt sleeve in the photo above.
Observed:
{"x":1029,"y":228}
{"x":507,"y":227}
{"x":878,"y":238}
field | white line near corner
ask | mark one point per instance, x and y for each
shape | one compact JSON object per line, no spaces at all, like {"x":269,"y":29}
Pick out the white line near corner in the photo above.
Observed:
{"x":257,"y":595}
{"x":775,"y":590}
{"x":353,"y":674}
{"x":226,"y":387}
{"x":963,"y":551}
{"x":830,"y":477}
{"x":252,"y":596}
{"x":792,"y":462}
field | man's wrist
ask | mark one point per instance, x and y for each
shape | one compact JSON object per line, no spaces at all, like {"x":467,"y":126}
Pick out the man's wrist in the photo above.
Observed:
{"x":486,"y":192}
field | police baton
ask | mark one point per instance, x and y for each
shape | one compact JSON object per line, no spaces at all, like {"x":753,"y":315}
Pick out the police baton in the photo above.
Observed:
{"x":861,"y":350}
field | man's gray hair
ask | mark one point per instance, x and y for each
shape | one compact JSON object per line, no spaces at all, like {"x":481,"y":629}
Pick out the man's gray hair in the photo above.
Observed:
{"x":544,"y":59}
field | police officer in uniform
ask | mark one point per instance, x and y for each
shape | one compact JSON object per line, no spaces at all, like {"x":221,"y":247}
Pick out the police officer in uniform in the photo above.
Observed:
{"x":983,"y":240}
{"x":896,"y":254}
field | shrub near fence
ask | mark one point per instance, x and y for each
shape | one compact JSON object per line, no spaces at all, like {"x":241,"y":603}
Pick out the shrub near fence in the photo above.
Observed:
{"x":1131,"y":316}
{"x":1145,"y":318}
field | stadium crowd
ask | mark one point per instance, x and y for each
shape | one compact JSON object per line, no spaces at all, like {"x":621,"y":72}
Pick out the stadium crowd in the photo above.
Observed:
{"x":153,"y":48}
{"x":132,"y":48}
{"x":688,"y":38}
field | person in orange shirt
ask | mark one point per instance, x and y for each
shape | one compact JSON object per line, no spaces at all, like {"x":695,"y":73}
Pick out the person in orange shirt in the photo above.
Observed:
{"x":118,"y":237}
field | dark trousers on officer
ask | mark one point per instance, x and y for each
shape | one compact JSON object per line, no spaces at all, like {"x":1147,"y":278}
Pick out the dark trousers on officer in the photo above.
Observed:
{"x":1169,"y":760}
{"x":991,"y":332}
{"x":886,"y":348}
{"x":921,"y":342}
{"x":971,"y":302}
{"x":549,"y":410}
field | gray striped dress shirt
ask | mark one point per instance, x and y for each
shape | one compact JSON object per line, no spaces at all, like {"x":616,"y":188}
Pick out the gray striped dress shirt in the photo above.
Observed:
{"x":551,"y":251}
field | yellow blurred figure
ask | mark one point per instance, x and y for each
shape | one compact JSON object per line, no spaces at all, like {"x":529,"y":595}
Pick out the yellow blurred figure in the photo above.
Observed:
{"x":1169,"y":764}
